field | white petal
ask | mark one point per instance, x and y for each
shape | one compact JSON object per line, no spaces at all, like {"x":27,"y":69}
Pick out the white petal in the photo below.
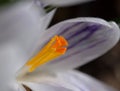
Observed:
{"x":88,"y":39}
{"x":63,"y":2}
{"x":20,"y":25}
{"x":69,"y":81}
{"x":10,"y":63}
{"x":23,"y":23}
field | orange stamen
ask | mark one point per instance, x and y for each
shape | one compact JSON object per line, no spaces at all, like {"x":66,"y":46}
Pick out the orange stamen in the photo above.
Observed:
{"x":53,"y":49}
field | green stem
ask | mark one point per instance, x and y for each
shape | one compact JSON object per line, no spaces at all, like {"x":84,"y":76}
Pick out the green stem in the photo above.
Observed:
{"x":49,"y":8}
{"x":7,"y":2}
{"x":117,"y":20}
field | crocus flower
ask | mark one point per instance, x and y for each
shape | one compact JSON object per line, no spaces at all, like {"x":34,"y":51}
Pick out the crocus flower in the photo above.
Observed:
{"x":57,"y":51}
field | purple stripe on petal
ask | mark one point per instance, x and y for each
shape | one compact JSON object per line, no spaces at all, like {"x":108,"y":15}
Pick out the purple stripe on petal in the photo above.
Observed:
{"x":68,"y":28}
{"x":99,"y":42}
{"x":91,"y":30}
{"x":86,"y":28}
{"x":87,"y":48}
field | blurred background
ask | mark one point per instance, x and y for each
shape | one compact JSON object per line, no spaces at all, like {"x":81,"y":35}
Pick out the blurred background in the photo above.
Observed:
{"x":107,"y":67}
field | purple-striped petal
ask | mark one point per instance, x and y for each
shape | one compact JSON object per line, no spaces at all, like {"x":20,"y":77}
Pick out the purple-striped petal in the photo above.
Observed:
{"x":88,"y":39}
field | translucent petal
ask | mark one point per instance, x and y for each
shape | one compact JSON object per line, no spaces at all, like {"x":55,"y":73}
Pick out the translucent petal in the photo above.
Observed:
{"x":22,"y":24}
{"x":10,"y":63}
{"x":19,"y":27}
{"x":88,"y":39}
{"x":69,"y":81}
{"x":63,"y":2}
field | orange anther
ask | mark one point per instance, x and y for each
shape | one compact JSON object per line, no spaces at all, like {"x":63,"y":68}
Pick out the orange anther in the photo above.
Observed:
{"x":61,"y":50}
{"x":63,"y":41}
{"x":57,"y":43}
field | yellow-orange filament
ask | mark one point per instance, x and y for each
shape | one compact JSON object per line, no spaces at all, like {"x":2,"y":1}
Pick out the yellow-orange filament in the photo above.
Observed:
{"x":56,"y":47}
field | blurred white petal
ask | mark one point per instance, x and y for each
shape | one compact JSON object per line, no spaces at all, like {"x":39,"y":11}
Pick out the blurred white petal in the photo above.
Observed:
{"x":11,"y":59}
{"x":22,"y":24}
{"x":64,"y":2}
{"x":20,"y":27}
{"x":69,"y":81}
{"x":88,"y":39}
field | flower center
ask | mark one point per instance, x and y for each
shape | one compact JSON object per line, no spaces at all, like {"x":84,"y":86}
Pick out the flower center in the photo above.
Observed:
{"x":56,"y":47}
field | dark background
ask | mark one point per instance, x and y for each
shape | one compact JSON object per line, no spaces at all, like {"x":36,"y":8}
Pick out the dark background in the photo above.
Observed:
{"x":107,"y":67}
